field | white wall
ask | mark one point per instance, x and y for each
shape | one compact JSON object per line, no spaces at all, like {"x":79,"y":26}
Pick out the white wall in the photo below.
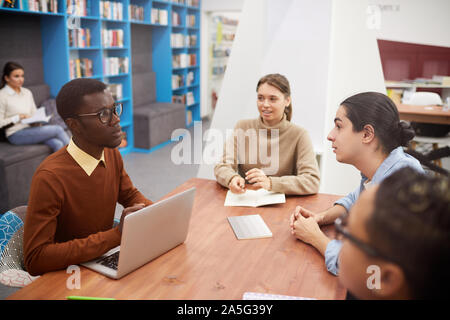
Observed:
{"x":417,"y":21}
{"x":222,"y":5}
{"x":354,"y":66}
{"x":241,"y":76}
{"x":301,"y":54}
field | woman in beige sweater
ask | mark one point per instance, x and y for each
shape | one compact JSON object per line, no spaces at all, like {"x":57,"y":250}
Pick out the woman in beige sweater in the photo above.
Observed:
{"x":270,"y":152}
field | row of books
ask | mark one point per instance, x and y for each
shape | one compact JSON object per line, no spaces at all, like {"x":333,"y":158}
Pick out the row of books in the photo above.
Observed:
{"x":176,"y":19}
{"x":184,"y":60}
{"x":159,"y":16}
{"x":31,"y":5}
{"x":186,"y":99}
{"x":78,"y":7}
{"x":116,"y":90}
{"x":111,"y":10}
{"x":178,"y":80}
{"x":190,"y":78}
{"x":180,"y":40}
{"x":79,"y":68}
{"x":112,"y":37}
{"x":80,"y":38}
{"x":115,"y":65}
{"x":192,"y":3}
{"x":136,"y":12}
{"x":190,"y":20}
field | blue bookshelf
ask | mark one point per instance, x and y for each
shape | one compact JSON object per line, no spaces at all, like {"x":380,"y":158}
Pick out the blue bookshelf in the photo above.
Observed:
{"x":110,"y":62}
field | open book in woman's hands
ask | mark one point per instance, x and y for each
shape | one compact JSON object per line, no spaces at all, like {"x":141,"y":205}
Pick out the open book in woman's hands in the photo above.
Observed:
{"x":39,"y":116}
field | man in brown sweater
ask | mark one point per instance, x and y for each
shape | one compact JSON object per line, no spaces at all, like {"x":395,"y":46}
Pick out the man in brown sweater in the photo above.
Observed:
{"x":74,"y":191}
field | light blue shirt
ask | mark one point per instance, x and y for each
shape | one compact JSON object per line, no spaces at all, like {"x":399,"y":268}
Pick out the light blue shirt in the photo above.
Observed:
{"x":396,"y":160}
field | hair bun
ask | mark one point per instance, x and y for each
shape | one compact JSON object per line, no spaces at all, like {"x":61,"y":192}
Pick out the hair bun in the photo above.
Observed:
{"x":405,"y":133}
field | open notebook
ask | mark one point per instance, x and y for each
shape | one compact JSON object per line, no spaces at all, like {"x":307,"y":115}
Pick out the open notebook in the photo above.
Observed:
{"x":253,"y":198}
{"x":39,"y":116}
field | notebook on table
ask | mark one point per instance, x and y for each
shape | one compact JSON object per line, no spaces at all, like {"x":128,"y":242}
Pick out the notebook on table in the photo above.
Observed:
{"x":249,"y":227}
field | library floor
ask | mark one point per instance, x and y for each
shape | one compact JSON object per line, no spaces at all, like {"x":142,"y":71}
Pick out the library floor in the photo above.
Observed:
{"x":154,"y":176}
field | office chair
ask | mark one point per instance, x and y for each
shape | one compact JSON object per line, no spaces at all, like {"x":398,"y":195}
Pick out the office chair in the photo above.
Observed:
{"x":430,"y":133}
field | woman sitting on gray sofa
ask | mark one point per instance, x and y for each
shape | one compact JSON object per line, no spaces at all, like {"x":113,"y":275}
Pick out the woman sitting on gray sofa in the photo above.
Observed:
{"x":16,"y":104}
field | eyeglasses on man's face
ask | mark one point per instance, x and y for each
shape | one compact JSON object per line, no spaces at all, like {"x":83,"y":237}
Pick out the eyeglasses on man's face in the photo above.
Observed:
{"x":105,"y":115}
{"x":341,"y":224}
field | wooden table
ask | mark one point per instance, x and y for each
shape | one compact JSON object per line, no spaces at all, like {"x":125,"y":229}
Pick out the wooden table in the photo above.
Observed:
{"x":427,"y":114}
{"x":212,"y":263}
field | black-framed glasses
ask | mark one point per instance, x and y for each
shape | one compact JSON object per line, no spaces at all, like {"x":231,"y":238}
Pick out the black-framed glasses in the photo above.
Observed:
{"x":105,"y":115}
{"x":341,"y":224}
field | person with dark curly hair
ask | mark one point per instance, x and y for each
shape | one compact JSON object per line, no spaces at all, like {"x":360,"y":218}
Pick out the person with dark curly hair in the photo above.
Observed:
{"x":369,"y":135}
{"x":396,"y":239}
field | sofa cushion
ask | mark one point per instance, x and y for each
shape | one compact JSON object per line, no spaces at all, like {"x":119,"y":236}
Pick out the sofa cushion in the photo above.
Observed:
{"x":41,"y":92}
{"x":144,"y":88}
{"x":10,"y":153}
{"x":154,"y":124}
{"x":50,"y":109}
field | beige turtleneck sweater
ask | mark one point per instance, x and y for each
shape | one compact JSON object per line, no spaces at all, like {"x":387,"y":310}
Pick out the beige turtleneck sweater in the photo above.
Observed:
{"x":293,"y":167}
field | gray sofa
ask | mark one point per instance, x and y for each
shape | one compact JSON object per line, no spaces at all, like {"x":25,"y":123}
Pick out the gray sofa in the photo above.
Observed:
{"x":18,"y":163}
{"x":154,"y":121}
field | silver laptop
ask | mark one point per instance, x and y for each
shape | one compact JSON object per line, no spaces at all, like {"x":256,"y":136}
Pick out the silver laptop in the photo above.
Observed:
{"x":147,"y":234}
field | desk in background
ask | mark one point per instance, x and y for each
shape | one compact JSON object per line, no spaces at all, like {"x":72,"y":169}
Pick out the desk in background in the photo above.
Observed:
{"x":427,"y":114}
{"x":212,"y":263}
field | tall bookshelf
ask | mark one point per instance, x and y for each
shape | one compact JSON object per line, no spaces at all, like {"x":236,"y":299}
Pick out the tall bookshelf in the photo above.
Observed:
{"x":103,"y":50}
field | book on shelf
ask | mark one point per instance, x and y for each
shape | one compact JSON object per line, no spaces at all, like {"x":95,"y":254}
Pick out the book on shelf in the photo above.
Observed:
{"x":184,"y":60}
{"x":36,"y":5}
{"x":115,"y":65}
{"x":112,"y":37}
{"x":189,"y":117}
{"x":177,"y":81}
{"x":111,"y":10}
{"x":192,"y":40}
{"x":192,"y":3}
{"x":178,"y":1}
{"x":78,"y":7}
{"x":176,"y":19}
{"x":116,"y":90}
{"x":179,"y":98}
{"x":442,"y":80}
{"x":80,"y":38}
{"x":79,"y":68}
{"x":190,"y":20}
{"x":190,"y":98}
{"x":159,"y":16}
{"x":8,"y":3}
{"x":190,"y":78}
{"x":136,"y":12}
{"x":179,"y":40}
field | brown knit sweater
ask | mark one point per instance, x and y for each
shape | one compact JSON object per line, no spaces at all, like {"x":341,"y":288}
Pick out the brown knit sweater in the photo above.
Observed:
{"x":70,"y":214}
{"x":297,"y":171}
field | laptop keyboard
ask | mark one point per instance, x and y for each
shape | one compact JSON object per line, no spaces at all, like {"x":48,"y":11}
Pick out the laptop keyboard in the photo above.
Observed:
{"x":110,"y":261}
